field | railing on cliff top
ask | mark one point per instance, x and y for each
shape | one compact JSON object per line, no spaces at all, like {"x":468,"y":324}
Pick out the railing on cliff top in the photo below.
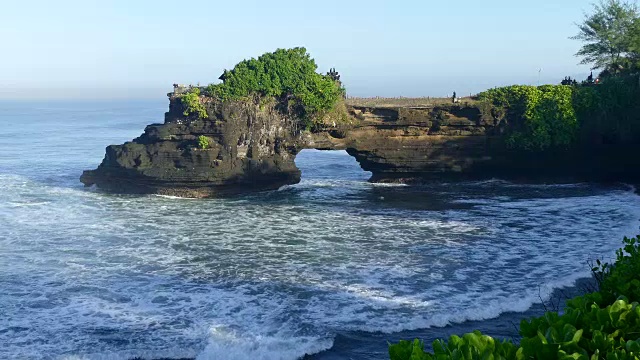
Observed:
{"x":181,"y":89}
{"x":377,"y":101}
{"x":402,"y":101}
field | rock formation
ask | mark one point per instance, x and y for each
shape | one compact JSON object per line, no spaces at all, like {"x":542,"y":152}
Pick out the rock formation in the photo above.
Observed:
{"x":252,"y":146}
{"x":408,"y":144}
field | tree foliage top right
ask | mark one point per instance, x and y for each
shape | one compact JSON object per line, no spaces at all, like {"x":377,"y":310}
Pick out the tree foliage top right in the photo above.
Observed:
{"x":611,"y":37}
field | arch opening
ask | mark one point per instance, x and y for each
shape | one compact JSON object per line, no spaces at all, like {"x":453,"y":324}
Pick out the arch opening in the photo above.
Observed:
{"x":329,"y":165}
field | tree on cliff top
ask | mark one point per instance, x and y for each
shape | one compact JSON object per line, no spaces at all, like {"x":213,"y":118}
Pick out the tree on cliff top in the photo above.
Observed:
{"x":285,"y":73}
{"x":611,"y":36}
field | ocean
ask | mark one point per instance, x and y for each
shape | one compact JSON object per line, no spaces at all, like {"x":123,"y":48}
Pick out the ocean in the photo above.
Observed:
{"x":333,"y":266}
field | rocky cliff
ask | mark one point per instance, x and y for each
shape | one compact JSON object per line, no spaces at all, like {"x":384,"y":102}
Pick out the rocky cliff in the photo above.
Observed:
{"x":408,"y":144}
{"x":252,"y":146}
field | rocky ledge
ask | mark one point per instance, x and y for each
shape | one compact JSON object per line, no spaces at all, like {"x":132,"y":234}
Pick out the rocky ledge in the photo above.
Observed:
{"x":251,"y":146}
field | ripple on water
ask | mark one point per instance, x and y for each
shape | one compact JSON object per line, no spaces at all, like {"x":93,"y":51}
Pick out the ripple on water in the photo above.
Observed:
{"x":123,"y":275}
{"x":276,"y":275}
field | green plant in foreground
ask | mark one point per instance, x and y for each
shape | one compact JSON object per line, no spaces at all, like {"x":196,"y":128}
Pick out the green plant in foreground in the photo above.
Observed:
{"x":594,"y":326}
{"x":470,"y":346}
{"x":623,"y":278}
{"x":203,"y":142}
{"x":192,"y":105}
{"x":583,"y":331}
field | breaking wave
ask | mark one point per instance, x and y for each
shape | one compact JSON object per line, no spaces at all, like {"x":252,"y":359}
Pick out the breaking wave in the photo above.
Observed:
{"x":276,"y":275}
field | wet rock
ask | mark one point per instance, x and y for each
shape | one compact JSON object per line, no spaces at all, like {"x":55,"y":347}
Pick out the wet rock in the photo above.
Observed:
{"x":251,"y":148}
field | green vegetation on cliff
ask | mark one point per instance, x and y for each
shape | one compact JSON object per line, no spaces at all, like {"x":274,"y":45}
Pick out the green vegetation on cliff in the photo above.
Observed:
{"x":609,"y":113}
{"x":203,"y":142}
{"x":588,"y":115}
{"x":287,"y":74}
{"x":192,"y":104}
{"x":599,"y":325}
{"x":565,"y":117}
{"x":544,"y":116}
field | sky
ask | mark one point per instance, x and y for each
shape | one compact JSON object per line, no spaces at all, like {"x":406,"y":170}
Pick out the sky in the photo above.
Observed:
{"x":139,"y":48}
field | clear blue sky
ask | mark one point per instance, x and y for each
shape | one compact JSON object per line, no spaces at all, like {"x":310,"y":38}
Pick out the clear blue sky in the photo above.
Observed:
{"x":95,"y":48}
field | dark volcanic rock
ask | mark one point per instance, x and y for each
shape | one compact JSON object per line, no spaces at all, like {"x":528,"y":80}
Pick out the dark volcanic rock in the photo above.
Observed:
{"x":403,"y":144}
{"x":456,"y":141}
{"x":253,"y":147}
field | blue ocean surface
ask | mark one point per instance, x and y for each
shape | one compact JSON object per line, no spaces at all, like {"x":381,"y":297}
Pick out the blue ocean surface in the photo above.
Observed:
{"x":274,"y":275}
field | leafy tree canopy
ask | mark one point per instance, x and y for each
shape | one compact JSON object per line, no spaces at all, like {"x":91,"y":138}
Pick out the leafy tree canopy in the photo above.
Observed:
{"x":285,"y":73}
{"x":611,"y":36}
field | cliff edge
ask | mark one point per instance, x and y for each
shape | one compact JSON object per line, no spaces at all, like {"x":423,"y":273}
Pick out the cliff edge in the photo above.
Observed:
{"x":238,"y":147}
{"x":250,"y":145}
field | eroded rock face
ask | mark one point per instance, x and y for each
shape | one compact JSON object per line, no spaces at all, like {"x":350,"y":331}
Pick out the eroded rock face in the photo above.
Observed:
{"x":406,"y":144}
{"x":411,"y":144}
{"x":253,"y":147}
{"x":460,"y":142}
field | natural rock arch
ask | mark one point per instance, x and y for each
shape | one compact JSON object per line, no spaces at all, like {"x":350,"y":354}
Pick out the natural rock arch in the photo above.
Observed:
{"x":252,"y":147}
{"x":313,"y":162}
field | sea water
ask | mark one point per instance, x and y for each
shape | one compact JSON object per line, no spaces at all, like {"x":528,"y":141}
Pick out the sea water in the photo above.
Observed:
{"x":273,"y":275}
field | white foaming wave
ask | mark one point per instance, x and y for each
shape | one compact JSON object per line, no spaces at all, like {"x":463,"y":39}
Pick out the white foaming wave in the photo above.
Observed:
{"x":39,"y":203}
{"x":172,"y":197}
{"x":347,"y":184}
{"x":276,"y":301}
{"x":374,"y":294}
{"x":460,"y":227}
{"x":22,"y":186}
{"x":327,"y":183}
{"x":488,"y":305}
{"x":489,"y":310}
{"x":322,"y":184}
{"x":520,"y":303}
{"x":227,"y":344}
{"x":387,"y":184}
